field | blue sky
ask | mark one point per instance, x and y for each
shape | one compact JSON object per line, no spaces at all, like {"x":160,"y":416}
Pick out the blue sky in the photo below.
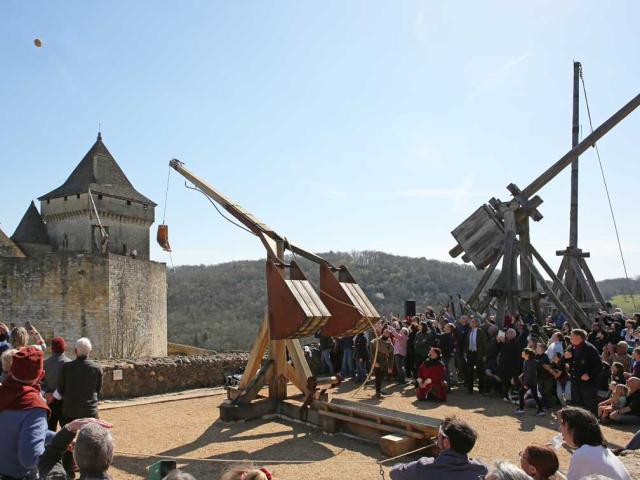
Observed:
{"x":342,"y":124}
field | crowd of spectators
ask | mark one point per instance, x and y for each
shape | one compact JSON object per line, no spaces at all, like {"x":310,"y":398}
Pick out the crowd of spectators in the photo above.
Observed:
{"x":547,"y":365}
{"x":49,"y":409}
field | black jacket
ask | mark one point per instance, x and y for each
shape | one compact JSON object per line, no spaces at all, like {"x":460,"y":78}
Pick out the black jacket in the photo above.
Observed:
{"x":509,"y":360}
{"x":79,"y":384}
{"x":586,"y":359}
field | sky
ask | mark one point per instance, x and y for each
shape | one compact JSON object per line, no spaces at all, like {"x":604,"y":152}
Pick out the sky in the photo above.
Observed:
{"x":344,"y":125}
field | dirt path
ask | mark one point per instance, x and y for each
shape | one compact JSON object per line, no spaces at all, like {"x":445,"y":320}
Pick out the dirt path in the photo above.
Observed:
{"x":190,"y":427}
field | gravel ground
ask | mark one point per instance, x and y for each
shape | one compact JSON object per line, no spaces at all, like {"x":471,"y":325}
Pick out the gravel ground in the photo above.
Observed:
{"x":191,"y":428}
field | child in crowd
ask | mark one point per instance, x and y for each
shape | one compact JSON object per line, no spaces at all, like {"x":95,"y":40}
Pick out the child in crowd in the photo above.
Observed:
{"x":563,"y":384}
{"x":617,"y":400}
{"x":545,"y":378}
{"x":617,"y":373}
{"x":529,"y":379}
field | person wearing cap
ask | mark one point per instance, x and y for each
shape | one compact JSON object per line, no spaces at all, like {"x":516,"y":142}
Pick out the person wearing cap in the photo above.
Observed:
{"x":52,"y":367}
{"x":23,"y":415}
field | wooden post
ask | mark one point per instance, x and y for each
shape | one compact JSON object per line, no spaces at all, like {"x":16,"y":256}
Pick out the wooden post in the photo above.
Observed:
{"x":575,"y":139}
{"x":278,"y":353}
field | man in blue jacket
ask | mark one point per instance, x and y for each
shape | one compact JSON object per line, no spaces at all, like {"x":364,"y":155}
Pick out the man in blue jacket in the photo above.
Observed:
{"x":456,"y":438}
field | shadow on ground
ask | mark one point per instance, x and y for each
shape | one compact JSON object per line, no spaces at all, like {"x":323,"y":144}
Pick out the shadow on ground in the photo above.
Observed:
{"x":299,"y":442}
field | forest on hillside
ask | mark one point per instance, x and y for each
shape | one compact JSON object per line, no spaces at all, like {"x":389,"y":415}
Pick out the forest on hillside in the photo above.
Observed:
{"x":219,"y":307}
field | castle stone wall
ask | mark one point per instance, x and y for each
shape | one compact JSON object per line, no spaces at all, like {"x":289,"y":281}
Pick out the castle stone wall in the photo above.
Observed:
{"x":61,"y":294}
{"x":138,"y":307}
{"x":105,"y":298}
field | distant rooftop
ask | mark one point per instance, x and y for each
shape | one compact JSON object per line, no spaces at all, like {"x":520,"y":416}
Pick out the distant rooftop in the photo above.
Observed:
{"x":99,"y":172}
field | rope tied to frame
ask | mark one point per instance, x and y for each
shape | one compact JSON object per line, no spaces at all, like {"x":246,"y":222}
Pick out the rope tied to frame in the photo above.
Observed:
{"x":606,"y":189}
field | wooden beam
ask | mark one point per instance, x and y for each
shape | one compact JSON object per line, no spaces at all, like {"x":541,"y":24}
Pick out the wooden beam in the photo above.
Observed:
{"x":589,"y":141}
{"x":257,"y":353}
{"x":483,"y":281}
{"x":372,"y":424}
{"x":297,"y":357}
{"x":296,"y":379}
{"x":591,"y":280}
{"x":557,"y":283}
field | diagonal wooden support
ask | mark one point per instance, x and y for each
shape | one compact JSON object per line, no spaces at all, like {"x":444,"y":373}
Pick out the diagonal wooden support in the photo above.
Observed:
{"x":550,"y":292}
{"x":591,"y":280}
{"x":483,"y":281}
{"x":257,"y":353}
{"x":558,"y":284}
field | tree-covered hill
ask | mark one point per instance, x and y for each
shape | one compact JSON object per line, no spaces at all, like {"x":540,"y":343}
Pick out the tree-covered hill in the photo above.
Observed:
{"x":220,"y":306}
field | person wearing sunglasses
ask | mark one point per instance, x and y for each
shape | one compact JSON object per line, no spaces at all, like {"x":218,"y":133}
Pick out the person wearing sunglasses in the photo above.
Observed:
{"x":456,"y":438}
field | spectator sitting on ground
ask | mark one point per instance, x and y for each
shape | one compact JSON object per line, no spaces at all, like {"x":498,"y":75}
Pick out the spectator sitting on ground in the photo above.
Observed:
{"x":622,"y":355}
{"x":431,"y":374}
{"x":541,"y":463}
{"x":616,"y":401}
{"x":635,"y":366}
{"x":23,"y":416}
{"x":50,"y":463}
{"x":506,"y":471}
{"x":580,"y":430}
{"x":6,"y":358}
{"x":247,"y":473}
{"x":456,"y":438}
{"x":93,"y":452}
{"x":630,"y":413}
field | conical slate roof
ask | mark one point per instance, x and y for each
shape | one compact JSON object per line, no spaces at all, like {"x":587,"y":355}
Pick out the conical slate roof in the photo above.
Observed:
{"x":8,"y":248}
{"x":99,"y":172}
{"x":31,"y":228}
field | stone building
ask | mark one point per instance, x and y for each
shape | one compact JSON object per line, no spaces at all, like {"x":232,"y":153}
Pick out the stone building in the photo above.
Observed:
{"x":80,"y":266}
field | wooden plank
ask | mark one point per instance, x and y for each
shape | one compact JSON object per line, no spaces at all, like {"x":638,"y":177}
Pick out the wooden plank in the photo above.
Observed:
{"x":323,"y":311}
{"x":373,"y":425}
{"x":396,"y":417}
{"x":257,"y":353}
{"x":292,"y":285}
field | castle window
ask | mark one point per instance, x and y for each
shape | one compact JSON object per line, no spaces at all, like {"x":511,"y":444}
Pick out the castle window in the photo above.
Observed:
{"x":77,"y":195}
{"x":99,"y":197}
{"x":48,"y":201}
{"x":65,"y":198}
{"x":145,"y":206}
{"x":128,"y":202}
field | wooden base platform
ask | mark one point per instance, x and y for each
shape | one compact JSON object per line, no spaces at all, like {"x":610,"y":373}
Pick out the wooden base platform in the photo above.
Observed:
{"x":396,"y":432}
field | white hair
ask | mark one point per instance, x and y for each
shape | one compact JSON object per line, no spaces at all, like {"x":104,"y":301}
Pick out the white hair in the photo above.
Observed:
{"x":507,"y":471}
{"x":83,"y":347}
{"x":94,"y":449}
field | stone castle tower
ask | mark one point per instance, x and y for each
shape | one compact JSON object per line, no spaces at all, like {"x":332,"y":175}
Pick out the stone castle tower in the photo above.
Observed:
{"x":80,"y":266}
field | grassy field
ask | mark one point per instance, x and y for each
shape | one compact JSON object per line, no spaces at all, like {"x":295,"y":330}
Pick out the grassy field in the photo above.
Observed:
{"x":625,"y":302}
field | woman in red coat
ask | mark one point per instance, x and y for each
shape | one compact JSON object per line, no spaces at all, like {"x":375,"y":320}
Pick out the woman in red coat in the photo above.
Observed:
{"x":431,"y":374}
